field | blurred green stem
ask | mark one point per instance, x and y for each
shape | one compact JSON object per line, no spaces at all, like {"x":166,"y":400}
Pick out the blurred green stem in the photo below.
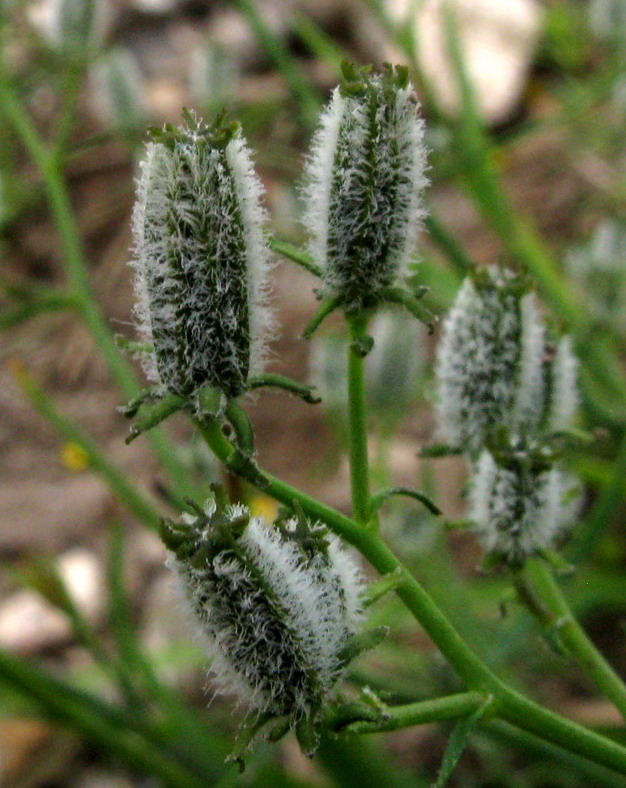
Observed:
{"x":300,"y":86}
{"x":508,"y":704}
{"x":554,"y":611}
{"x":603,"y":509}
{"x":117,"y":479}
{"x":106,"y":726}
{"x":47,"y":162}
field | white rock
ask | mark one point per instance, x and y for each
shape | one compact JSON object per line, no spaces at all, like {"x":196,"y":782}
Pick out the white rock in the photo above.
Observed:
{"x":157,"y":7}
{"x":498,"y":41}
{"x":28,"y":622}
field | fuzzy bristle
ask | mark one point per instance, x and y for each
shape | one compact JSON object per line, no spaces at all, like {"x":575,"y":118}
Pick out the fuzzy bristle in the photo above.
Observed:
{"x":364,"y":183}
{"x":202,"y":260}
{"x":275,"y":614}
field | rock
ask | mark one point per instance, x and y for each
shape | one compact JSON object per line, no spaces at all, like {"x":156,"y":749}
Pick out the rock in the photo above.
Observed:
{"x":34,"y":753}
{"x":155,"y":7}
{"x":98,"y":778}
{"x":29,"y":623}
{"x":498,"y":40}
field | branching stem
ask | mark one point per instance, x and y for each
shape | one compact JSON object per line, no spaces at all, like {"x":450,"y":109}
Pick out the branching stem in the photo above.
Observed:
{"x":510,"y":705}
{"x":556,"y":612}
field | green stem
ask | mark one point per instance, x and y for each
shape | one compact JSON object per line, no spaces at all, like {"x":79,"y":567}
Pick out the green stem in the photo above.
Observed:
{"x":47,"y":163}
{"x":511,"y":706}
{"x":109,"y":728}
{"x":117,"y":480}
{"x":300,"y":86}
{"x":451,"y":707}
{"x":603,"y":509}
{"x":296,"y":255}
{"x":359,"y":461}
{"x":72,"y":83}
{"x":559,"y":615}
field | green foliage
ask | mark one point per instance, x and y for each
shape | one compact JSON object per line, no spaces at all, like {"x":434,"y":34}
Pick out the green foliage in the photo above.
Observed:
{"x":129,"y":713}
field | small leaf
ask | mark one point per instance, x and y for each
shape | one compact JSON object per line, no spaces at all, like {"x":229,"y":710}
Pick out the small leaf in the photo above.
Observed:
{"x":154,"y":415}
{"x":458,"y":742}
{"x":379,"y":499}
{"x":348,"y":713}
{"x":362,"y":346}
{"x":385,"y":585}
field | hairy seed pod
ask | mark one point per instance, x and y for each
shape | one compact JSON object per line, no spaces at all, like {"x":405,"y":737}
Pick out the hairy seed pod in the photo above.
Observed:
{"x":597,"y":267}
{"x":201,"y":259}
{"x":277,"y":605}
{"x":490,"y":361}
{"x":364,"y":183}
{"x":119,"y":92}
{"x":520,"y":509}
{"x":73,"y":27}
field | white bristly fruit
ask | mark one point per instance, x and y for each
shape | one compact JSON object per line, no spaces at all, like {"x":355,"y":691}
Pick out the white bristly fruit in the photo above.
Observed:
{"x":201,"y":259}
{"x":490,"y":361}
{"x":364,"y":183}
{"x":277,"y":605}
{"x":518,"y":509}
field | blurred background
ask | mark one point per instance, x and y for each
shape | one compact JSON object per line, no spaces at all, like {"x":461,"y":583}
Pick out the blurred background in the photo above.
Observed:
{"x":525,"y":103}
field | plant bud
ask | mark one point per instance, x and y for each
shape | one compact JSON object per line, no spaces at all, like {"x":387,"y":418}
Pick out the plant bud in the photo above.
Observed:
{"x":395,"y":366}
{"x":597,"y":267}
{"x":73,"y":27}
{"x":278,"y":605}
{"x":201,"y":260}
{"x":212,"y":77}
{"x":118,"y":92}
{"x":490,"y":361}
{"x":520,"y":508}
{"x":365,"y":179}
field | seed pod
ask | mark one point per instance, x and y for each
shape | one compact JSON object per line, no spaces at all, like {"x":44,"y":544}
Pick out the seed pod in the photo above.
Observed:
{"x":278,"y":605}
{"x":201,"y":260}
{"x":490,"y":361}
{"x":520,"y":509}
{"x":119,"y":91}
{"x":597,"y":267}
{"x":394,"y":369}
{"x":364,"y":184}
{"x":73,"y":27}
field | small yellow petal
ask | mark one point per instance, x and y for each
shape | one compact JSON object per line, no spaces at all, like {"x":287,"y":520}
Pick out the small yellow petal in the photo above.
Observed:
{"x":74,"y":457}
{"x":262,"y":506}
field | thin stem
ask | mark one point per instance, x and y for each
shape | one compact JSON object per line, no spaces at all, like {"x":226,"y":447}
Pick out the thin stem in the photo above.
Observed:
{"x":109,"y":728}
{"x":451,"y":707}
{"x":300,"y":86}
{"x":604,"y":507}
{"x":359,"y":462}
{"x":73,"y":79}
{"x":539,"y":576}
{"x":511,"y":706}
{"x":296,"y":255}
{"x":75,"y":265}
{"x":116,"y":479}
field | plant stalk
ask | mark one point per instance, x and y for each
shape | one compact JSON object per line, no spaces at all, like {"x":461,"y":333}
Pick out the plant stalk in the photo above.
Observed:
{"x":511,"y":706}
{"x":359,"y":460}
{"x":557,"y":613}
